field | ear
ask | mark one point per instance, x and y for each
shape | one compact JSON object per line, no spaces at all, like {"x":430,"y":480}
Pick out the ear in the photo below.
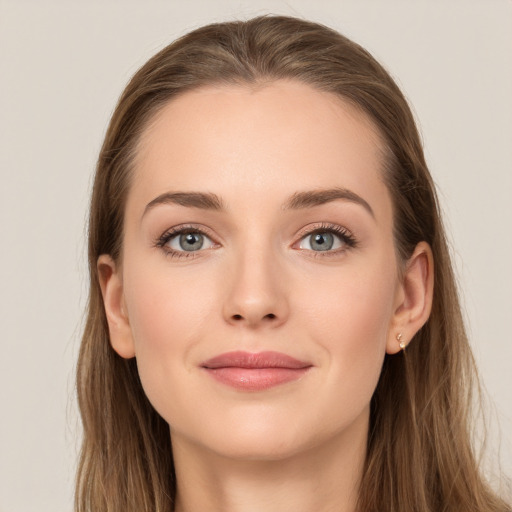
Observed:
{"x":413,"y":300}
{"x":111,"y":285}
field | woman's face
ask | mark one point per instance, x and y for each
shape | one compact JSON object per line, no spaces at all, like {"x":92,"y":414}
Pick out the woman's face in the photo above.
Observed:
{"x":259,"y":279}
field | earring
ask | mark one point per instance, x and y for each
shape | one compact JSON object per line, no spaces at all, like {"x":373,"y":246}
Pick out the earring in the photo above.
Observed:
{"x":401,"y":342}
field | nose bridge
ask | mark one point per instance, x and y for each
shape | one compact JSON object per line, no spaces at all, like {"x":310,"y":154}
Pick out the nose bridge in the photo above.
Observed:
{"x":256,"y":294}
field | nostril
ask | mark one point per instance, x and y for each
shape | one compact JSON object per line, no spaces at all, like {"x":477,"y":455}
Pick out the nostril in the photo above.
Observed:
{"x":269,"y":316}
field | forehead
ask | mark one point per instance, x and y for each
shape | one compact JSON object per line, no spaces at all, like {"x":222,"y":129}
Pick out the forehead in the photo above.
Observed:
{"x":264,"y":141}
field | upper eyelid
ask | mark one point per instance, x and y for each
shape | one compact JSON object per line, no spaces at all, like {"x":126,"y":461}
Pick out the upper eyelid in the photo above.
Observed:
{"x":322,"y":226}
{"x":183,"y":228}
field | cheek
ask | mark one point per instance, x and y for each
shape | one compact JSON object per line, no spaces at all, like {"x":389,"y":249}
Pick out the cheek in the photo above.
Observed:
{"x":354,"y":303}
{"x":169,"y":316}
{"x":349,"y":321}
{"x":167,"y":305}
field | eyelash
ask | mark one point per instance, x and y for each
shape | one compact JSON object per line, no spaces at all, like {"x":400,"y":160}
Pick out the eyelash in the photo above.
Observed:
{"x":348,"y":239}
{"x":162,"y":241}
{"x":344,"y":234}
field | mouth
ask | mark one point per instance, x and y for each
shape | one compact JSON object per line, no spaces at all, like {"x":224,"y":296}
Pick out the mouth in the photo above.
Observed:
{"x":247,"y":371}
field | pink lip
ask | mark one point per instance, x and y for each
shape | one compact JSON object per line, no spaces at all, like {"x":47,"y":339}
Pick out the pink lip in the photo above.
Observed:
{"x":255,"y":371}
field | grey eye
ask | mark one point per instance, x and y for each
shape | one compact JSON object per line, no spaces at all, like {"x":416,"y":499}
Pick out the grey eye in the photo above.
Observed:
{"x":321,"y":241}
{"x":190,"y":242}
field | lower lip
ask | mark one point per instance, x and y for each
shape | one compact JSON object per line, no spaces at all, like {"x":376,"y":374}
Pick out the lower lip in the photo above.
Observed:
{"x":255,"y":379}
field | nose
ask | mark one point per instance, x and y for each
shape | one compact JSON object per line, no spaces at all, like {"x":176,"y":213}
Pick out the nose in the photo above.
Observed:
{"x":256,"y":296}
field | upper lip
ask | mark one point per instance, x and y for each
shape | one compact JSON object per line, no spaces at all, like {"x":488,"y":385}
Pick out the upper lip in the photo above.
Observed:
{"x":268,"y":359}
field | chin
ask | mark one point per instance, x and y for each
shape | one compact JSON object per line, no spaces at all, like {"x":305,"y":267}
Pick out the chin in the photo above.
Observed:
{"x":265,"y":434}
{"x":254,"y":446}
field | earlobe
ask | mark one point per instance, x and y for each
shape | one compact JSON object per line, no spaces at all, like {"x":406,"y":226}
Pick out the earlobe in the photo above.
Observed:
{"x":119,"y":328}
{"x":414,"y":303}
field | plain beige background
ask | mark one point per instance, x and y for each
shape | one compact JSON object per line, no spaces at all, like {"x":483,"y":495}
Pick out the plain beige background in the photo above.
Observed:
{"x":62,"y":67}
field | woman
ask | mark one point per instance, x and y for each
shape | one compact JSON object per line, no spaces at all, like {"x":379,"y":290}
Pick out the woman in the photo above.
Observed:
{"x":273,"y":320}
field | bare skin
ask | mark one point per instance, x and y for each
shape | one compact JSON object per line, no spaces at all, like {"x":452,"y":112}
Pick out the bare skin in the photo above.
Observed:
{"x":258,"y":221}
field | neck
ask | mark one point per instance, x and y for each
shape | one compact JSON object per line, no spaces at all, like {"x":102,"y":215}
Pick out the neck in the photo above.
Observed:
{"x":324,"y":478}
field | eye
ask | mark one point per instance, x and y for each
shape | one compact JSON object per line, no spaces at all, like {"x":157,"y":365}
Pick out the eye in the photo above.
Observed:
{"x":191,"y":241}
{"x":179,"y":242}
{"x":321,"y":241}
{"x":324,"y":239}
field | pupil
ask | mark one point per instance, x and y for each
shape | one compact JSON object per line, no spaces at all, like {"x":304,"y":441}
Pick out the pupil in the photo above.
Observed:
{"x":191,"y":241}
{"x":322,"y":241}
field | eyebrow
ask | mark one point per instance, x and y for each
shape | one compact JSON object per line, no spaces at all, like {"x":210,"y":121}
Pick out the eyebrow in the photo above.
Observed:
{"x":202,"y":200}
{"x":311,"y":198}
{"x":298,"y":201}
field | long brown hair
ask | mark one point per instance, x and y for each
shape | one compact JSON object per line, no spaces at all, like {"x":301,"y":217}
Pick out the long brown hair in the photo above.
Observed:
{"x":420,"y":455}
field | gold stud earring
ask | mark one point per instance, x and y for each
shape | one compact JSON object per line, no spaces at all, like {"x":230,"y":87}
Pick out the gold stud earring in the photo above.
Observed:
{"x":401,"y":342}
